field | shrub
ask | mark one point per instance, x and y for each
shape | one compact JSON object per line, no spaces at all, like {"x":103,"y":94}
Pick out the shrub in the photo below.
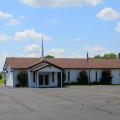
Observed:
{"x":22,"y":79}
{"x":106,"y":77}
{"x":72,"y":83}
{"x":83,"y":78}
{"x":0,"y":76}
{"x":95,"y":83}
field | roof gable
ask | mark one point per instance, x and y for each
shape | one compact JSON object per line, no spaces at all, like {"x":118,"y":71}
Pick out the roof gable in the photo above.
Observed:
{"x":42,"y":65}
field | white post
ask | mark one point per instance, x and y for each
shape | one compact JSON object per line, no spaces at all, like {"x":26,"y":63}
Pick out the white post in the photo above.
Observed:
{"x":35,"y":79}
{"x":29,"y":78}
{"x":61,"y":80}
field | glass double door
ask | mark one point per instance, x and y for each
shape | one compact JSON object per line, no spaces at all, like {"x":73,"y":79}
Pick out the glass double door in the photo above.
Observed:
{"x":43,"y":79}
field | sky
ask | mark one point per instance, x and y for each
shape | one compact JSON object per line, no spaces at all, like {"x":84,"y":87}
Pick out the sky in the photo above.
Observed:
{"x":70,"y":28}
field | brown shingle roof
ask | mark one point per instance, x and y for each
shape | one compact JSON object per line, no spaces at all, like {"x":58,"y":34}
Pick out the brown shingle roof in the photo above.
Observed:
{"x":64,"y":63}
{"x":82,"y":63}
{"x":21,"y":63}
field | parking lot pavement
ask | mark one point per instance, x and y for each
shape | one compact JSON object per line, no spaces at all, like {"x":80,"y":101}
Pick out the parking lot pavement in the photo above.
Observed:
{"x":74,"y":103}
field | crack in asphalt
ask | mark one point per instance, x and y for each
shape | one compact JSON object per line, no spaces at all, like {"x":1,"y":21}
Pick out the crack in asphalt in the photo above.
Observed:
{"x":85,"y":105}
{"x":18,"y":102}
{"x":22,"y":104}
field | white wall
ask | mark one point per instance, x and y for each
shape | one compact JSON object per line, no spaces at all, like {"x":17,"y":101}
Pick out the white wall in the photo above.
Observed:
{"x":9,"y":77}
{"x":93,"y":75}
{"x":116,"y":76}
{"x":73,"y":75}
{"x":15,"y":73}
{"x":50,"y":69}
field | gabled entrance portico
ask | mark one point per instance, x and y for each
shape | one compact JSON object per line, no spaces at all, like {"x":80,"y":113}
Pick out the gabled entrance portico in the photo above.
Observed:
{"x":45,"y":74}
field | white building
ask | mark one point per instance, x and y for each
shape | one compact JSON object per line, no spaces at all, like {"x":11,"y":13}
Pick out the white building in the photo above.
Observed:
{"x":49,"y":72}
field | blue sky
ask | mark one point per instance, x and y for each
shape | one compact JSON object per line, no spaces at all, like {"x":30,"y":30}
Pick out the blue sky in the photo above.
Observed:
{"x":70,"y":28}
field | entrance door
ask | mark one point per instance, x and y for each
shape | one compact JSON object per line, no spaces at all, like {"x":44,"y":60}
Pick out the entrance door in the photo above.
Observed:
{"x":40,"y":79}
{"x":43,"y":79}
{"x":46,"y":80}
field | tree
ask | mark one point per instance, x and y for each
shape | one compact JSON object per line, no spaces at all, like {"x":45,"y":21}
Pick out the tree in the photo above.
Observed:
{"x":106,"y":77}
{"x":106,"y":56}
{"x":98,"y":57}
{"x":83,"y":78}
{"x":119,"y":55}
{"x":110,"y":56}
{"x":22,"y":79}
{"x":49,"y":56}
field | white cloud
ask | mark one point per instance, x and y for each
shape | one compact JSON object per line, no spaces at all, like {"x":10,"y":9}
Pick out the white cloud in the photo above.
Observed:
{"x":60,"y":3}
{"x":49,"y":22}
{"x":108,"y":14}
{"x":118,"y":27}
{"x":29,"y":55}
{"x":74,"y":56}
{"x":31,"y":34}
{"x":13,"y":21}
{"x":23,"y":17}
{"x":32,"y":48}
{"x":4,"y":37}
{"x":53,"y":21}
{"x":57,"y":52}
{"x":95,"y":49}
{"x":5,"y":15}
{"x":77,"y":39}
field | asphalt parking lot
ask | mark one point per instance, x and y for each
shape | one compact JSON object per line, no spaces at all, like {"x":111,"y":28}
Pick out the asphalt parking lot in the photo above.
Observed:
{"x":75,"y":103}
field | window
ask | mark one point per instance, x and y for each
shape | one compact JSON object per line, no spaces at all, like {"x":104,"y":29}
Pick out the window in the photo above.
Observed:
{"x":68,"y":76}
{"x":34,"y":77}
{"x":40,"y":79}
{"x":53,"y":77}
{"x":96,"y":76}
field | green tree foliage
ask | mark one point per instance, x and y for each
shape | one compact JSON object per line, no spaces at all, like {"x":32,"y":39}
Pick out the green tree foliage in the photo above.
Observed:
{"x":0,"y":76}
{"x":106,"y":77}
{"x":22,"y":79}
{"x":119,"y":55}
{"x":98,"y":57}
{"x":83,"y":78}
{"x":110,"y":56}
{"x":49,"y":56}
{"x":106,"y":56}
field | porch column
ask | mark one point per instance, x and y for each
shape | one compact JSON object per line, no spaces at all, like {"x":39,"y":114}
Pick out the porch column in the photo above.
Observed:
{"x":29,"y":78}
{"x":61,"y":80}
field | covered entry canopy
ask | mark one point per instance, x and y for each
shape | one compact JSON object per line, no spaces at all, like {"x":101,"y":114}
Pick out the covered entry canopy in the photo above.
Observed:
{"x":42,"y":65}
{"x":45,"y":74}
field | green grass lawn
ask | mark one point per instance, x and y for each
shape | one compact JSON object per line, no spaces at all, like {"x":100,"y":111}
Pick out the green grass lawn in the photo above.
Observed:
{"x":1,"y":81}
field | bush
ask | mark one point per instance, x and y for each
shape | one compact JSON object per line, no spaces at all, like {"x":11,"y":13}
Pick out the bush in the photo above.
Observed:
{"x":72,"y":83}
{"x":83,"y":78}
{"x":0,"y":76}
{"x":106,"y":77}
{"x":95,"y":83}
{"x":22,"y":79}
